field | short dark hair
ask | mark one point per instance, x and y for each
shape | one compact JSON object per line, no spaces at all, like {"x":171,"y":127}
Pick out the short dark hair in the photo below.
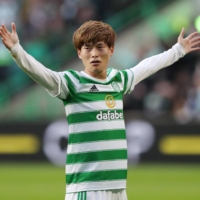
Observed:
{"x":93,"y":32}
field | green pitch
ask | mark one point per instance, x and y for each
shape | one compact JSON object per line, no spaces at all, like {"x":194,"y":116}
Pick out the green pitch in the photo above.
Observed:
{"x":145,"y":182}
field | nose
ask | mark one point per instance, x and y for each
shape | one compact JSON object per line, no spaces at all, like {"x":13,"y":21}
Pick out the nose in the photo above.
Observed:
{"x":94,"y":53}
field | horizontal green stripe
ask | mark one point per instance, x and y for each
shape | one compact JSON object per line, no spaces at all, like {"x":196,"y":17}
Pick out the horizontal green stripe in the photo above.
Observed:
{"x":96,"y":176}
{"x":90,"y":97}
{"x":92,"y":116}
{"x":97,"y":136}
{"x":97,"y":156}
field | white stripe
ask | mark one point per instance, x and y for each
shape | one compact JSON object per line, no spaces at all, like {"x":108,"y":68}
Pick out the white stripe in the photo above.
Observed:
{"x":112,"y":73}
{"x":90,"y":106}
{"x":96,"y":126}
{"x":123,"y":81}
{"x":96,"y":166}
{"x":99,"y":185}
{"x":101,"y":88}
{"x":121,"y":85}
{"x":96,"y":146}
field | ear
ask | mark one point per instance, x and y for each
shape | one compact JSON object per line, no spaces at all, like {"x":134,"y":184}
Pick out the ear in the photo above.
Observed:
{"x":111,"y":50}
{"x":79,"y":53}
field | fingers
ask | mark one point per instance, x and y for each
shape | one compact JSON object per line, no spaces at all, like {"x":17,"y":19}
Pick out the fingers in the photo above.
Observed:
{"x":4,"y":29}
{"x":2,"y":33}
{"x":195,"y":39}
{"x":195,"y":44}
{"x":13,"y":27}
{"x":192,"y":35}
{"x":3,"y":40}
{"x":195,"y":49}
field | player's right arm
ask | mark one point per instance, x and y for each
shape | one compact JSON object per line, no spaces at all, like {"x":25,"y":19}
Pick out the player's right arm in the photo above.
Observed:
{"x":52,"y":81}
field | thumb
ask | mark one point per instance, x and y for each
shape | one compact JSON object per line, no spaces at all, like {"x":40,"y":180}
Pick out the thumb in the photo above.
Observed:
{"x":13,"y":27}
{"x":182,"y":33}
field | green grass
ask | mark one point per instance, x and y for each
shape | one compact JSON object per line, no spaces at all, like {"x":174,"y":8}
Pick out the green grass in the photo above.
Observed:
{"x":164,"y":182}
{"x":145,"y":182}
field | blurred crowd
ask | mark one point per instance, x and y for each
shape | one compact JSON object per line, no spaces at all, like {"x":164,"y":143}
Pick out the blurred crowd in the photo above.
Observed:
{"x":45,"y":25}
{"x":174,"y":90}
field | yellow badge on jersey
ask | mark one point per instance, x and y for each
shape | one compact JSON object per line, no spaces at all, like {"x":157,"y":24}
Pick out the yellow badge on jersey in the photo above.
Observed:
{"x":110,"y":101}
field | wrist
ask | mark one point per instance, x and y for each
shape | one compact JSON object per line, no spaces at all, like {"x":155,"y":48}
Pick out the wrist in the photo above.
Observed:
{"x":13,"y":49}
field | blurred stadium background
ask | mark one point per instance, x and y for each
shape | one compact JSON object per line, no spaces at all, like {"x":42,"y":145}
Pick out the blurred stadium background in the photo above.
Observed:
{"x":162,"y":113}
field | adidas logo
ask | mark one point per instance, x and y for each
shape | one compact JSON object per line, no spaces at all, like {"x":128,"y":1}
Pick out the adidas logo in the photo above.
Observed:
{"x":93,"y":89}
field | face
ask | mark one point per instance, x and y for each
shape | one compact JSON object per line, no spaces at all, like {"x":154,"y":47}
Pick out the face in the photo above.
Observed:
{"x":95,"y":58}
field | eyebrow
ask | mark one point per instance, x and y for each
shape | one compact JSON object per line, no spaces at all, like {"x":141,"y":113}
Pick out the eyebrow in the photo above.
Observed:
{"x":89,"y":44}
{"x":99,"y":43}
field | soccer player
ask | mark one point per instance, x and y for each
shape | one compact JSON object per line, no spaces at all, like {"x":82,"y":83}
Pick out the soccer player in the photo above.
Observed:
{"x":96,"y":165}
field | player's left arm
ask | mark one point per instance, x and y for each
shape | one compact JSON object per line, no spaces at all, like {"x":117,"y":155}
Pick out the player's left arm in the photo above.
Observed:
{"x":152,"y":64}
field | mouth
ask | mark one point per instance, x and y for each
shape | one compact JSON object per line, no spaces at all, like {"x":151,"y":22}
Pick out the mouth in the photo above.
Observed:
{"x":95,"y":62}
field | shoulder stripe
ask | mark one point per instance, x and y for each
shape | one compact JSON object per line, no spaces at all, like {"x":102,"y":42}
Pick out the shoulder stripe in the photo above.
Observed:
{"x":125,"y":80}
{"x":108,"y":71}
{"x":113,"y":74}
{"x":72,"y":82}
{"x":130,"y":81}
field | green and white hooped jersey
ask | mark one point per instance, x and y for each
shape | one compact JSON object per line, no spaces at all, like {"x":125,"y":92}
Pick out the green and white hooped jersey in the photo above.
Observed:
{"x":97,"y":147}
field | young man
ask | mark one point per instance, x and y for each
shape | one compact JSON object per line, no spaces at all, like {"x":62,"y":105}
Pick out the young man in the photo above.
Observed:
{"x":96,"y":166}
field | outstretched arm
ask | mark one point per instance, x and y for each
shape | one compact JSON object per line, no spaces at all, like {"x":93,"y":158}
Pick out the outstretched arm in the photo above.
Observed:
{"x":151,"y":65}
{"x":51,"y":80}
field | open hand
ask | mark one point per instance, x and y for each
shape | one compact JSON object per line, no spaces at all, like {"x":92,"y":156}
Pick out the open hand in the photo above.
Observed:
{"x":191,"y":42}
{"x":9,"y":38}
